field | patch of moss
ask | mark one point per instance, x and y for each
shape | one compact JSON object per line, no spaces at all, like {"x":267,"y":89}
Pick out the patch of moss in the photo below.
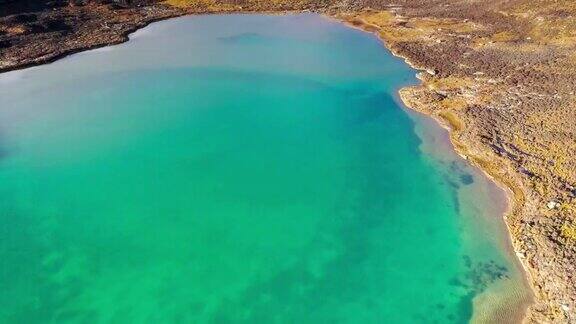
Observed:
{"x":568,"y":230}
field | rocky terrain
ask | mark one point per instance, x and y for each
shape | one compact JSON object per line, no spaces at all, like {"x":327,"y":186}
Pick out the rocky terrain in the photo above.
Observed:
{"x":500,"y":74}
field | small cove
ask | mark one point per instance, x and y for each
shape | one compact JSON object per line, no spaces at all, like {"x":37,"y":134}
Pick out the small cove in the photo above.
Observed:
{"x":242,"y":168}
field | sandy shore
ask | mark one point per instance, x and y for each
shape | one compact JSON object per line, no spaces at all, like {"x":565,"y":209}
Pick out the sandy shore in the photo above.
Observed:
{"x":498,"y":76}
{"x":504,"y":301}
{"x":502,"y":172}
{"x":507,"y":300}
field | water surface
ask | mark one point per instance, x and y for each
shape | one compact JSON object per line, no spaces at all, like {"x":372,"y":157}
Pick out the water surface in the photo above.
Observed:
{"x":231,"y":169}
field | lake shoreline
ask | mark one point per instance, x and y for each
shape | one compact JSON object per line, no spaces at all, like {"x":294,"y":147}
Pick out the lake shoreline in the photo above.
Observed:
{"x":502,"y":202}
{"x":441,"y":131}
{"x":501,"y":174}
{"x":441,"y":123}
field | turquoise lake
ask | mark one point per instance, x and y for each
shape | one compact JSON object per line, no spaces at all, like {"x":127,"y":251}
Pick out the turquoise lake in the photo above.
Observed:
{"x":241,"y":169}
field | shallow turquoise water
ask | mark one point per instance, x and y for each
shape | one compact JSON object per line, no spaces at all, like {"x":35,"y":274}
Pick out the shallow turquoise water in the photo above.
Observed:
{"x":231,"y":169}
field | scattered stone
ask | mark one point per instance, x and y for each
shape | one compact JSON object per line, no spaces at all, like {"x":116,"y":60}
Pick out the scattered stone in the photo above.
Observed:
{"x":553,"y":204}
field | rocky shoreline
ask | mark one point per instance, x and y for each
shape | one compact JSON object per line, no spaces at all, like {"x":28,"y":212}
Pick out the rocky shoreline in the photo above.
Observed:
{"x":500,"y":76}
{"x":536,"y":221}
{"x":28,"y":39}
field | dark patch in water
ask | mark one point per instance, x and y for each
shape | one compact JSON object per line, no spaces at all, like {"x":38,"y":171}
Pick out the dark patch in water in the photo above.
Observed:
{"x":479,"y":276}
{"x":453,"y":184}
{"x":457,"y":176}
{"x":466,"y":179}
{"x":244,"y":38}
{"x":464,"y":309}
{"x":457,"y":283}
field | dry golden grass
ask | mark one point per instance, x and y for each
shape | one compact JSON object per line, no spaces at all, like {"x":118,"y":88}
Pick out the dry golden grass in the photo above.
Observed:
{"x":202,"y":5}
{"x":243,"y":5}
{"x":451,"y":83}
{"x":499,"y":38}
{"x":455,"y":123}
{"x":454,"y":103}
{"x":553,"y":22}
{"x":569,"y":231}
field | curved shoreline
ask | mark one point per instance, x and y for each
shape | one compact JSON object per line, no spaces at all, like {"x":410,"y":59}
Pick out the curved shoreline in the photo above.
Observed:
{"x":543,"y":264}
{"x":443,"y":124}
{"x":501,"y":174}
{"x":511,"y":303}
{"x":514,"y":202}
{"x":445,"y":153}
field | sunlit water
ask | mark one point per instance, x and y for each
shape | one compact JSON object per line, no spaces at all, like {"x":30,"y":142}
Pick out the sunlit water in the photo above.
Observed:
{"x":235,"y":169}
